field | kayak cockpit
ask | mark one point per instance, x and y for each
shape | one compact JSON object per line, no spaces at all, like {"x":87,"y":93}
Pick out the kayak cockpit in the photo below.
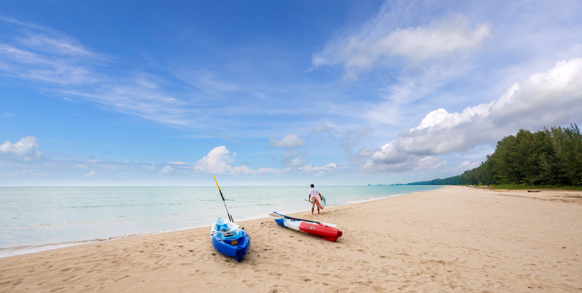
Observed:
{"x":229,"y":239}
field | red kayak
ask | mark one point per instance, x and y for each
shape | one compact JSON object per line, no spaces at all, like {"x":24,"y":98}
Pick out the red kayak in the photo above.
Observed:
{"x":322,"y":230}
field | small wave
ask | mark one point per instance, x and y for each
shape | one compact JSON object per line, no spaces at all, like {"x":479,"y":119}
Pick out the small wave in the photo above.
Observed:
{"x":25,"y":249}
{"x":281,"y":207}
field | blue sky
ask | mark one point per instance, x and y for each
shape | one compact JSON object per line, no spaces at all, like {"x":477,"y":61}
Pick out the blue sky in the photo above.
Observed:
{"x":276,"y":93}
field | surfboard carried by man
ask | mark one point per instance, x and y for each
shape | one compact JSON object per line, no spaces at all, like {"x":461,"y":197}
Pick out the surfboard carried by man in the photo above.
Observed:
{"x":315,"y":199}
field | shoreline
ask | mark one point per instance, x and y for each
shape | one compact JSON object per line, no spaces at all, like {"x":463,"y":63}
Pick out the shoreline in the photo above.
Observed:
{"x":28,"y":249}
{"x":454,"y":239}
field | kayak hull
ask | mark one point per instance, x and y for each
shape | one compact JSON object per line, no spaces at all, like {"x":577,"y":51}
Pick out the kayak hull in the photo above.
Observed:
{"x":230,"y":239}
{"x":312,"y":228}
{"x":236,"y":251}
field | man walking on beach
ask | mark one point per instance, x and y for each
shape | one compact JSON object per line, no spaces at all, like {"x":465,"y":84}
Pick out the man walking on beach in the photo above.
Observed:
{"x":313,"y":193}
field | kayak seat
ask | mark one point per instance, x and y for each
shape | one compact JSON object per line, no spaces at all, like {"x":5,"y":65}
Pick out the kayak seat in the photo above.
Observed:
{"x":231,"y":235}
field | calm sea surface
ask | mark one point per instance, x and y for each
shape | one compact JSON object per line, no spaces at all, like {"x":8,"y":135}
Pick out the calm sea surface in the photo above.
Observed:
{"x":41,"y":218}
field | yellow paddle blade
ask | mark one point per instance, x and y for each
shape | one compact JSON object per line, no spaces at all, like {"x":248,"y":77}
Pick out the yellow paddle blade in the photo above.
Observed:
{"x":216,"y":182}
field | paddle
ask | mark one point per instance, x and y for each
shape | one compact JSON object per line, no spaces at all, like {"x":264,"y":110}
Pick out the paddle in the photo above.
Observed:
{"x":224,"y":201}
{"x":276,"y":215}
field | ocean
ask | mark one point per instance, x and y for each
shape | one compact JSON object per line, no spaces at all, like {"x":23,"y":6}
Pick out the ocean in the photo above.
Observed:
{"x":41,"y":218}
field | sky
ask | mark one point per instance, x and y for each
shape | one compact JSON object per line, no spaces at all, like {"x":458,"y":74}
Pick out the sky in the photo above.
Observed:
{"x":276,"y":93}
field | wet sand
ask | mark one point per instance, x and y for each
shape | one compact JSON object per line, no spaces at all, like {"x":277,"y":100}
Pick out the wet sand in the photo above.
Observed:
{"x":456,"y":239}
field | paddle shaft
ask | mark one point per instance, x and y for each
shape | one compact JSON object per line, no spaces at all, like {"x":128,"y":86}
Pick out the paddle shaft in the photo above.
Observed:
{"x":223,"y":201}
{"x":291,"y":218}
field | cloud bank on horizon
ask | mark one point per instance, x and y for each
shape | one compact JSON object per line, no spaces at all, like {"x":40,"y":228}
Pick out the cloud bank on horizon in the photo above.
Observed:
{"x":412,"y":91}
{"x":530,"y":104}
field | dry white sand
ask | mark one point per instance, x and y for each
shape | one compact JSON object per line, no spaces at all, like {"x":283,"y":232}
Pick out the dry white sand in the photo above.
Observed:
{"x":456,"y":239}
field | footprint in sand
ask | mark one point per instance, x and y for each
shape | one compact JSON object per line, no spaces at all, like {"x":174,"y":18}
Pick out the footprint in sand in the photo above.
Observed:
{"x":124,"y":277}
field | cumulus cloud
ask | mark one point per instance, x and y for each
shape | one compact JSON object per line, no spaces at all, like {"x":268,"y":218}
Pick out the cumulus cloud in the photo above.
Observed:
{"x":24,"y":150}
{"x":218,"y":162}
{"x":290,"y":141}
{"x":549,"y":98}
{"x":361,"y":156}
{"x":373,"y":46}
{"x":546,"y":99}
{"x":389,"y":159}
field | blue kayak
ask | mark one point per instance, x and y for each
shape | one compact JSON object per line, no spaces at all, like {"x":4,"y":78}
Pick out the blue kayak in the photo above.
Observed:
{"x":230,"y":239}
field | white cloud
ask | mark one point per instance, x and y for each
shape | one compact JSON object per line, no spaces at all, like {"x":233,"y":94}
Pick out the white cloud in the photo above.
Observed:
{"x":311,"y":169}
{"x":211,"y":83}
{"x":242,"y":170}
{"x":296,"y":162}
{"x":373,"y":46}
{"x":361,"y":156}
{"x":28,"y":65}
{"x":218,"y":162}
{"x":389,"y":155}
{"x":389,"y":159}
{"x":149,"y":167}
{"x":51,"y":60}
{"x":177,"y":163}
{"x":429,"y":162}
{"x":131,"y":98}
{"x":322,"y":128}
{"x":24,"y":150}
{"x":290,"y":141}
{"x":398,"y":97}
{"x":57,"y":43}
{"x":90,"y":174}
{"x":352,"y":137}
{"x":468,"y":165}
{"x":549,"y":98}
{"x":167,"y":169}
{"x":290,"y":159}
{"x":267,"y":171}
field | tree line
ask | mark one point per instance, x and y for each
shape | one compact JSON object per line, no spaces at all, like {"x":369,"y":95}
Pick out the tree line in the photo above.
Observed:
{"x":546,"y":157}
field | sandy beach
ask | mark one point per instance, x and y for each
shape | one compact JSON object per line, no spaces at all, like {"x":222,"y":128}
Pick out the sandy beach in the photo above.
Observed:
{"x":456,"y":239}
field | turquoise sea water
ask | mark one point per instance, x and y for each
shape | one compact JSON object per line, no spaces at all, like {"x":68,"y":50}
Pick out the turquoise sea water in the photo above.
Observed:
{"x":40,"y":218}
